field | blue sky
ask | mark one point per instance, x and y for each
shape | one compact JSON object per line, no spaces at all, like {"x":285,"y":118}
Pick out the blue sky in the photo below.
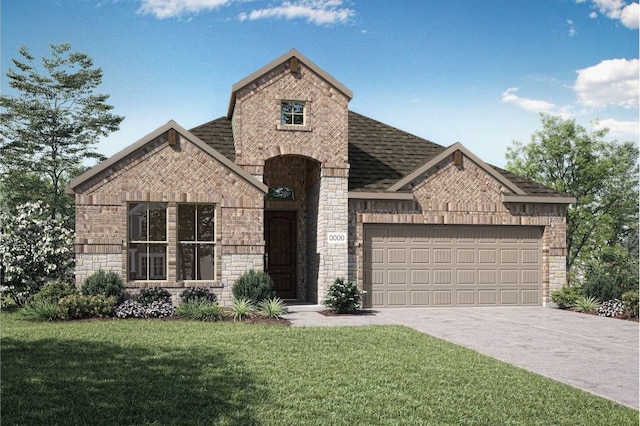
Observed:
{"x":471,"y":71}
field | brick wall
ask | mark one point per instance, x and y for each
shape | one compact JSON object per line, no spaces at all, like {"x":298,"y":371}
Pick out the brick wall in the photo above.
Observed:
{"x":172,"y":175}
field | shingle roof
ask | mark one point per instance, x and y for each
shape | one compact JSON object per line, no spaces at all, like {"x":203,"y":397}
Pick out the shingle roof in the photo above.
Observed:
{"x":379,"y":154}
{"x":218,"y":134}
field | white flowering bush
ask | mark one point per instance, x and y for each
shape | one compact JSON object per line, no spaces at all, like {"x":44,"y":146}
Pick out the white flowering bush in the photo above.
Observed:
{"x":611,"y":308}
{"x":344,"y":296}
{"x":34,"y":249}
{"x":131,"y":308}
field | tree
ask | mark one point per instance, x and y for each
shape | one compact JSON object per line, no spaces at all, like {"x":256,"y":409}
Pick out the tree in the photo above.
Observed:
{"x":34,"y":249}
{"x":601,"y":175}
{"x":51,"y":127}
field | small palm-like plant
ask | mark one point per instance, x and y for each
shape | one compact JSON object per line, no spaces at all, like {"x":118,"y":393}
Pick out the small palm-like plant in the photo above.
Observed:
{"x":586,"y":304}
{"x":272,"y":308}
{"x":241,"y":308}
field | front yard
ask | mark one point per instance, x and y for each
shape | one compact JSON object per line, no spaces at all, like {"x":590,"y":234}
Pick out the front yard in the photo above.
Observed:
{"x":182,"y":372}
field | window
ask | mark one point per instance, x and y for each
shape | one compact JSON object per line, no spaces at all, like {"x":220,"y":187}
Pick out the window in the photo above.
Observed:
{"x":292,"y":113}
{"x":196,"y":242}
{"x":147,"y":241}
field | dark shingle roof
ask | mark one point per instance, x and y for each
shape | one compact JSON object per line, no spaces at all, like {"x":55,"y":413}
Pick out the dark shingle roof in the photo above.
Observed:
{"x":379,"y":154}
{"x":218,"y":134}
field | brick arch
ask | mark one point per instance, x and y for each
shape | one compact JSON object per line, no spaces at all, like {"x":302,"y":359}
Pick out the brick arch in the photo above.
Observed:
{"x":313,"y":154}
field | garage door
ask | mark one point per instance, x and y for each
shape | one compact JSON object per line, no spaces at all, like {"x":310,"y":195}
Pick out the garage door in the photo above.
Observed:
{"x":451,"y":265}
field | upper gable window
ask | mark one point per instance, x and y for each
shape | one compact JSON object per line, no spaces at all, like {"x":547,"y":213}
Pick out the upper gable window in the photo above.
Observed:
{"x":293,"y":112}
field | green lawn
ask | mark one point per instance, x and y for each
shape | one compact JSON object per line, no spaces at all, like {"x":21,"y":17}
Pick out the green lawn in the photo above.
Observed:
{"x":120,"y":372}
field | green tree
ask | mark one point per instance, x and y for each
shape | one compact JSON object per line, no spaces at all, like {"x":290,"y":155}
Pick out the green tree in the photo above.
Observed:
{"x":51,"y":126}
{"x":601,"y":175}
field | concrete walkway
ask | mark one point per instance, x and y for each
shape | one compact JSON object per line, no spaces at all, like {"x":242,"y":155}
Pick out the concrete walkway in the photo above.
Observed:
{"x":596,"y":354}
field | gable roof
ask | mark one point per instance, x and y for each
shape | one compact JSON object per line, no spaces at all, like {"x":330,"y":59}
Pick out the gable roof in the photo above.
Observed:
{"x":141,"y":143}
{"x":293,"y":53}
{"x":383,"y":158}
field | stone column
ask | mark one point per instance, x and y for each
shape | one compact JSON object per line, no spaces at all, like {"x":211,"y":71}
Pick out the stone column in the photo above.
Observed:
{"x":333,"y":221}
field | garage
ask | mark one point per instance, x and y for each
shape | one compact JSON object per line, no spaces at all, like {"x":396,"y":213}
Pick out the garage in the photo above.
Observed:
{"x":452,"y":265}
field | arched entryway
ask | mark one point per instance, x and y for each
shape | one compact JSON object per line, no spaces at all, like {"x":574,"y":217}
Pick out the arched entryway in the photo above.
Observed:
{"x":290,"y":226}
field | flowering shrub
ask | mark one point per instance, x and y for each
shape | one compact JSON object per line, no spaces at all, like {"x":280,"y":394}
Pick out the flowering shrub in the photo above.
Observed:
{"x":34,"y":249}
{"x":344,"y":297}
{"x":133,"y":309}
{"x":611,"y":308}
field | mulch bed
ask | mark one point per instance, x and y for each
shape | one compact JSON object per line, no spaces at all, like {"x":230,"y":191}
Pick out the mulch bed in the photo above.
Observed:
{"x":625,"y":317}
{"x":330,"y":313}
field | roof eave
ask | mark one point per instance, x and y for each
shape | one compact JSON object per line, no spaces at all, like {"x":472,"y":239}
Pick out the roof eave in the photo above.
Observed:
{"x":365,"y":195}
{"x":447,"y":152}
{"x":74,"y":183}
{"x":537,"y":199}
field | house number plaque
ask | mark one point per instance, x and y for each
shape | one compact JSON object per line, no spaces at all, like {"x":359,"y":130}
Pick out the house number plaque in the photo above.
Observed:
{"x":337,"y":238}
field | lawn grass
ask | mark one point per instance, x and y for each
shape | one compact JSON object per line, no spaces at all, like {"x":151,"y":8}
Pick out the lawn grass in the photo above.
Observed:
{"x":193,"y":373}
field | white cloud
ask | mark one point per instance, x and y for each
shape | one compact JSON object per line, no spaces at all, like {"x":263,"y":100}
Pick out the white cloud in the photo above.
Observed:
{"x":572,"y":30}
{"x":528,"y":104}
{"x":612,"y":82}
{"x":319,"y":12}
{"x":163,"y":9}
{"x":619,"y":128}
{"x":628,"y":14}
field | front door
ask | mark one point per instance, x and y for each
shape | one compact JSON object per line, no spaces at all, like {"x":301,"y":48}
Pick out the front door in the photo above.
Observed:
{"x":280,"y":258}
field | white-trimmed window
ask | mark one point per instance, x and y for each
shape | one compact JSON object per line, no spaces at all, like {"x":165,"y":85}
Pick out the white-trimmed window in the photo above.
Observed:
{"x":292,"y":113}
{"x":147,"y":241}
{"x":196,"y":242}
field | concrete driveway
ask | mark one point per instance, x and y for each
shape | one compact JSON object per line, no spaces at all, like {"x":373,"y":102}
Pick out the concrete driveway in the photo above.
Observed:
{"x":596,"y":354}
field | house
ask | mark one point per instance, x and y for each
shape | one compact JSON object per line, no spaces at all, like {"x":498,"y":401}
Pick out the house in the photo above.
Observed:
{"x":292,"y":182}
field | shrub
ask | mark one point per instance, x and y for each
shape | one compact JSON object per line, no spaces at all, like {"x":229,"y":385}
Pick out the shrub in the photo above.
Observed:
{"x":611,"y":308}
{"x":566,"y":296}
{"x":198,"y":294}
{"x":241,"y":309}
{"x":254,"y":286}
{"x":79,"y":306}
{"x":613,"y":272}
{"x":131,"y":308}
{"x":106,"y":283}
{"x":54,"y":291}
{"x":344,"y":297}
{"x":272,"y":308}
{"x":586,"y":304}
{"x":149,"y":295}
{"x":201,"y":310}
{"x":39,"y":310}
{"x":34,"y":249}
{"x":630,"y":301}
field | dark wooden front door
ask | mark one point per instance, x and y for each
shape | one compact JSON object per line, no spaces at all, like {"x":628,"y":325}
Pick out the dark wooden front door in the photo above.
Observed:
{"x":281,"y":257}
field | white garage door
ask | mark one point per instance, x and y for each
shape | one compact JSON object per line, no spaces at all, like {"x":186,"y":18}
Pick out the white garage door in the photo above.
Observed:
{"x":452,"y":265}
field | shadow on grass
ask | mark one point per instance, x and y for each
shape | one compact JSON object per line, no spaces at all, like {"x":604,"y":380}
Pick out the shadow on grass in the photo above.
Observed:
{"x":70,"y":382}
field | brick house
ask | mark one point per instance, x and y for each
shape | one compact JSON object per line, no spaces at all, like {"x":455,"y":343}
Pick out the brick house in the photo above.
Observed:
{"x":292,"y":182}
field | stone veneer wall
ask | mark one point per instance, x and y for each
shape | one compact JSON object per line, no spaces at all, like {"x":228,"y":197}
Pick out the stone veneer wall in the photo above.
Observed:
{"x":332,"y":217}
{"x":180,"y":174}
{"x":448,"y":194}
